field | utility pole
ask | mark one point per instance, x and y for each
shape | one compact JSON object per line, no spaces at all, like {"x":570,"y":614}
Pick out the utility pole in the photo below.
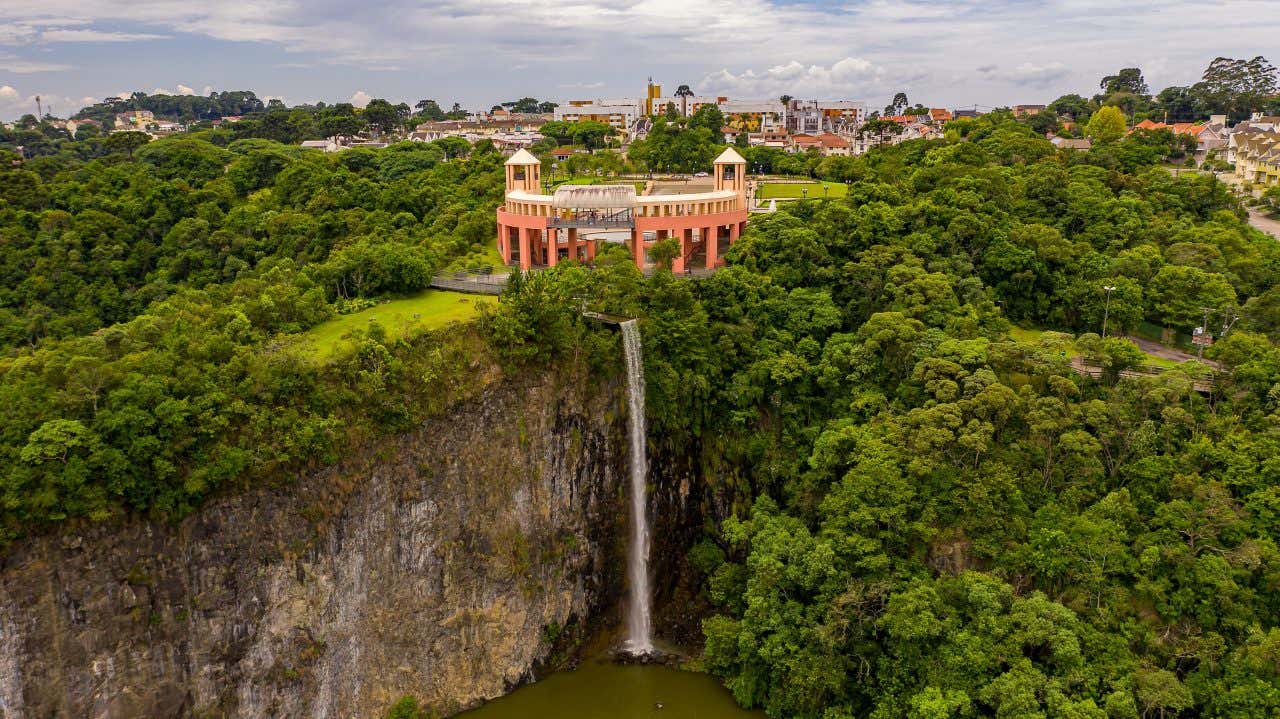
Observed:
{"x":39,"y":110}
{"x":1106,"y":309}
{"x":1204,"y":329}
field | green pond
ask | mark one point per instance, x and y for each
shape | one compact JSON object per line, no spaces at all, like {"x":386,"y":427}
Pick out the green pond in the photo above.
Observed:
{"x":602,"y":689}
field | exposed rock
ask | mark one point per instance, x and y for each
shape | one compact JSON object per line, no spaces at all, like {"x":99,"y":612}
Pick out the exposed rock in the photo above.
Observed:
{"x":432,"y":564}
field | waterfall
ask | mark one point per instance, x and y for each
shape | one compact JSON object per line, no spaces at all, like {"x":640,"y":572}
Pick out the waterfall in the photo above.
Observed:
{"x":639,"y":632}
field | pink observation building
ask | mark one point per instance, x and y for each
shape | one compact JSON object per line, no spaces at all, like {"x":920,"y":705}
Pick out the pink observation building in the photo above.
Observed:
{"x":539,"y":230}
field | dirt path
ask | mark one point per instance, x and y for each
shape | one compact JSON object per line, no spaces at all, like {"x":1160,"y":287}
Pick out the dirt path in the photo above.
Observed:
{"x":1264,"y":223}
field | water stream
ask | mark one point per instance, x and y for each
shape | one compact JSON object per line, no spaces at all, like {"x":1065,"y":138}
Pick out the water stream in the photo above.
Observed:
{"x":639,"y":624}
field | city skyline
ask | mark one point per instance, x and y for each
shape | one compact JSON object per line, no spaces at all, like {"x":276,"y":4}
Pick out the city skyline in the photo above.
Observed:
{"x":481,"y":52}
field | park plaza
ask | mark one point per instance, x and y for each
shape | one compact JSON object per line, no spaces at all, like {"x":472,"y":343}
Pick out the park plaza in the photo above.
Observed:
{"x":538,"y":230}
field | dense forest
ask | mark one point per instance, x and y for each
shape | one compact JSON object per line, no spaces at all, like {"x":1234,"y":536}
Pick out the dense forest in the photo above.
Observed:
{"x":928,"y":512}
{"x":932,"y":519}
{"x":147,"y":306}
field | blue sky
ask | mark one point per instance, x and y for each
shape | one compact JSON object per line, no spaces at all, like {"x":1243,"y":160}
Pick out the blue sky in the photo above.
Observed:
{"x":479,"y":52}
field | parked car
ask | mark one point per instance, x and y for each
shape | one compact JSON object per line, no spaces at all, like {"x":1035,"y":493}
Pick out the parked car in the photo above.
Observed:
{"x":700,"y":174}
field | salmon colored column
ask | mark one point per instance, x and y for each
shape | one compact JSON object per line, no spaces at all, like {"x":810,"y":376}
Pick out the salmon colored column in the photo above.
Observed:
{"x":713,"y":242}
{"x":573,"y":243}
{"x":502,"y":244}
{"x":526,"y":252}
{"x":553,"y":252}
{"x":637,"y":247}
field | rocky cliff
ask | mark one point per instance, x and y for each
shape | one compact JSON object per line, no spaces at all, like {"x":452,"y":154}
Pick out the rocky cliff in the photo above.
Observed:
{"x":441,"y":563}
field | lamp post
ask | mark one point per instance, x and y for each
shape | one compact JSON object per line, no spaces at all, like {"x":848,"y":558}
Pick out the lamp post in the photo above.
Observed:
{"x":1106,"y":309}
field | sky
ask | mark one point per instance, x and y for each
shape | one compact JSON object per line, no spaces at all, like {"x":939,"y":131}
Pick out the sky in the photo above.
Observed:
{"x":953,"y":54}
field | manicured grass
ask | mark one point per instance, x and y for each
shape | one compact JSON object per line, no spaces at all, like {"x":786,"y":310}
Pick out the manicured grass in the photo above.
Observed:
{"x":793,"y":190}
{"x":400,"y":318}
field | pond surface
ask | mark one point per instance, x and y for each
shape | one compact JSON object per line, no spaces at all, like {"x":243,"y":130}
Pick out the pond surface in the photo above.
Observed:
{"x":601,"y":689}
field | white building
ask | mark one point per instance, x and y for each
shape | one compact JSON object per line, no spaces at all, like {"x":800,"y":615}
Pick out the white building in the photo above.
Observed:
{"x":618,"y":114}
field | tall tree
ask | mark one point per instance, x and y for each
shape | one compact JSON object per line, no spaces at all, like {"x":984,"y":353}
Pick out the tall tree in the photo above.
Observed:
{"x":1106,"y":125}
{"x":1238,"y":87}
{"x":1128,"y":80}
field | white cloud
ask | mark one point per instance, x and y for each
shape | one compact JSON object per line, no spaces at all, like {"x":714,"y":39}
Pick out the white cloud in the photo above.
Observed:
{"x":765,"y":47}
{"x":1027,"y":74}
{"x":360,"y":98}
{"x":184,"y":90}
{"x":847,"y":77}
{"x":14,"y":104}
{"x":82,"y":35}
{"x":22,"y":66}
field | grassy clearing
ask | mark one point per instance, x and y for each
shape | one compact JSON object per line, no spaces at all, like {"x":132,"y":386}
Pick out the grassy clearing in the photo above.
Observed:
{"x":1033,"y":335}
{"x":794,"y":190}
{"x":405,"y":317}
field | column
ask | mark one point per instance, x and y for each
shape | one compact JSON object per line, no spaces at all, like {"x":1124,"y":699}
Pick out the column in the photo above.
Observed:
{"x":573,"y":243}
{"x":686,"y":242}
{"x":502,"y":244}
{"x":591,"y":250}
{"x":637,"y":247}
{"x":713,"y":248}
{"x":526,"y":252}
{"x":553,"y":252}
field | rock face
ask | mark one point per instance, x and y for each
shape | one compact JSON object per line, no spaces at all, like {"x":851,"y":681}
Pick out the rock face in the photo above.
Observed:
{"x":441,"y":563}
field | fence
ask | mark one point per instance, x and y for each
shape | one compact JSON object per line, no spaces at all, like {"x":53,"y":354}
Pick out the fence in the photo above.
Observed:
{"x":480,"y":281}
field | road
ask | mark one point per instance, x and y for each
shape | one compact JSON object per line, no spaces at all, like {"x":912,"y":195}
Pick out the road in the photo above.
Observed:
{"x":1264,"y":223}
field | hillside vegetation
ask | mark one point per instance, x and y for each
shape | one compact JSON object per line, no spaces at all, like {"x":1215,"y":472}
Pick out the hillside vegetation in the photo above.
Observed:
{"x":152,"y":311}
{"x":910,"y":512}
{"x":931,"y":519}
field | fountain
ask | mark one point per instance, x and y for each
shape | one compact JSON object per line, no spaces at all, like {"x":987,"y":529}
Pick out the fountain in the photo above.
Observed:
{"x":639,"y":642}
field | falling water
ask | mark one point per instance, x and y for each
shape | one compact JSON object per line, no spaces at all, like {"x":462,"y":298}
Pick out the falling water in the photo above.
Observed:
{"x":639,"y":639}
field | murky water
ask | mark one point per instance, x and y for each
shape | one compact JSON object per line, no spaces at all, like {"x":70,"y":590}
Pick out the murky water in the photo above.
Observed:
{"x":601,"y":689}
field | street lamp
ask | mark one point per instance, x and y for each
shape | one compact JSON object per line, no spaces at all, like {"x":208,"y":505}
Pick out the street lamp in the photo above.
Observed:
{"x":1106,"y":309}
{"x":804,"y":192}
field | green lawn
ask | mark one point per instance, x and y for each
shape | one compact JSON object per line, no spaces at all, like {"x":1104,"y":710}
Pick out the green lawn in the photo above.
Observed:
{"x":401,"y":318}
{"x":793,"y":190}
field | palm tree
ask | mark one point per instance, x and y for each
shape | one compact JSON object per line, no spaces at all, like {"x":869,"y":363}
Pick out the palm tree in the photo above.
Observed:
{"x":684,"y":93}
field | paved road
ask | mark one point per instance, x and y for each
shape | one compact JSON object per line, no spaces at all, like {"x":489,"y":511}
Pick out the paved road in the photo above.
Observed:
{"x":1264,"y":223}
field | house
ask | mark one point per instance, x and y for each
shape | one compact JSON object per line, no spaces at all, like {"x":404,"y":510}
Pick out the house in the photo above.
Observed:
{"x":1208,"y":136}
{"x":327,"y":145}
{"x":939,"y":116}
{"x":965,"y":114}
{"x":563,"y":153}
{"x":1025,"y":110}
{"x":1070,"y":143}
{"x":778,"y":139}
{"x":804,"y":143}
{"x":133,"y":119}
{"x":1257,"y":158}
{"x":833,"y":144}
